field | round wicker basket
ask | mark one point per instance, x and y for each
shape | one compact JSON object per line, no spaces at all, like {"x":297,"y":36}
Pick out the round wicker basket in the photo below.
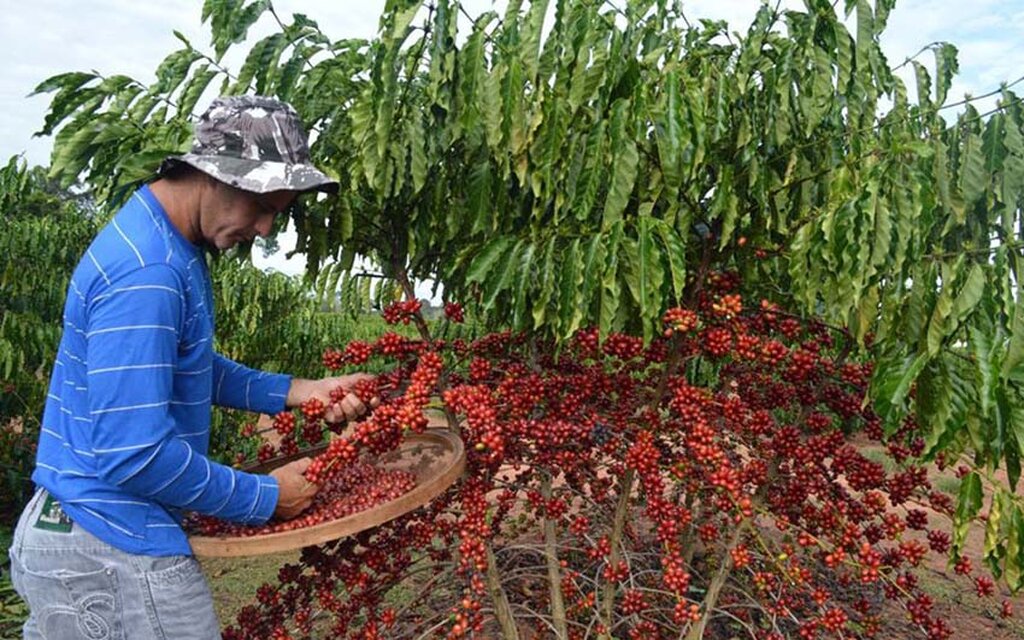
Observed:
{"x":436,"y":457}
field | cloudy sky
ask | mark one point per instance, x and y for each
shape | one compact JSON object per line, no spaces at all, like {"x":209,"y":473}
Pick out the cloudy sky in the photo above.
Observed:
{"x":45,"y":37}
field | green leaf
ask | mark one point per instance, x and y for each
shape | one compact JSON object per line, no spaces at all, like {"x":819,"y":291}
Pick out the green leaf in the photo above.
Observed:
{"x":668,"y":129}
{"x":416,"y":139}
{"x":525,"y":277}
{"x":970,"y":294}
{"x":974,"y":179}
{"x":69,"y":81}
{"x":592,"y":275}
{"x":569,"y":281}
{"x":499,"y":279}
{"x":1014,"y":568}
{"x":490,"y":105}
{"x":967,"y":508}
{"x":938,"y":327}
{"x":982,"y":347}
{"x":924,"y":85}
{"x":402,"y":18}
{"x":173,"y":70}
{"x":485,"y":260}
{"x":1015,"y":350}
{"x":993,"y":550}
{"x":480,"y":205}
{"x":594,"y":173}
{"x":624,"y":166}
{"x":73,"y":95}
{"x":193,"y":90}
{"x":865,"y":37}
{"x":610,"y":287}
{"x":892,"y":382}
{"x":946,"y":67}
{"x":1016,"y":436}
{"x":675,"y":251}
{"x":531,"y":36}
{"x":546,"y":279}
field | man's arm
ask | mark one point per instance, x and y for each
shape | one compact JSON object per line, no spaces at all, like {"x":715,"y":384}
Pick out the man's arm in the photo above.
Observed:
{"x":239,"y":387}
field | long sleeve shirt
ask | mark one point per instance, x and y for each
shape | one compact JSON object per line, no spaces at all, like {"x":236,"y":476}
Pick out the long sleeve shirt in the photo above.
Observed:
{"x":126,"y":425}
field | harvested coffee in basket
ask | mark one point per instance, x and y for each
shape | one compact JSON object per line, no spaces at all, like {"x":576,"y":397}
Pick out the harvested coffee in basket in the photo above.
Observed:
{"x":353,"y":488}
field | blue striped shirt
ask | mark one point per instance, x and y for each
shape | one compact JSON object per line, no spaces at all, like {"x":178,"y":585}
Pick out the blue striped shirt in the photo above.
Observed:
{"x":126,"y":425}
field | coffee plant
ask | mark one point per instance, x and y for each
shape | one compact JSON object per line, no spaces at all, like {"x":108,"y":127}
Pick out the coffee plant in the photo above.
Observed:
{"x":577,"y":173}
{"x":43,"y":231}
{"x":701,"y":484}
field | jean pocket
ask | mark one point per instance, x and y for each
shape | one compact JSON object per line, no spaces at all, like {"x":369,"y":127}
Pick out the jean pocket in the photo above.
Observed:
{"x":182,"y":602}
{"x":70,"y":604}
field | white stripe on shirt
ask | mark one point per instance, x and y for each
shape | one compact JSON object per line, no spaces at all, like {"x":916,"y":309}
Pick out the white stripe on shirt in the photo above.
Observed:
{"x":98,"y":267}
{"x":152,"y":214}
{"x":131,"y":367}
{"x":131,"y":327}
{"x":195,"y":373}
{"x":66,"y":472}
{"x":133,"y":447}
{"x":121,"y":529}
{"x":142,"y":466}
{"x":231,"y":494}
{"x":130,"y":408}
{"x":177,"y":475}
{"x":192,"y":403}
{"x":202,"y":486}
{"x":80,"y":451}
{"x":74,"y":287}
{"x":105,"y":501}
{"x":138,"y":255}
{"x":256,"y":502}
{"x":189,"y":346}
{"x":140,"y":287}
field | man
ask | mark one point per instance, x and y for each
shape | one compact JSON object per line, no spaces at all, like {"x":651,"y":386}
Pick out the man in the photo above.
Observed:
{"x":98,"y":553}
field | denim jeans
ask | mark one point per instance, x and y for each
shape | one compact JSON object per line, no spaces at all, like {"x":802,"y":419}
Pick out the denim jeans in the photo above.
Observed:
{"x":79,"y":587}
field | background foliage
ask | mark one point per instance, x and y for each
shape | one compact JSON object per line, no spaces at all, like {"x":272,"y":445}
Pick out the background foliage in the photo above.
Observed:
{"x":44,"y":230}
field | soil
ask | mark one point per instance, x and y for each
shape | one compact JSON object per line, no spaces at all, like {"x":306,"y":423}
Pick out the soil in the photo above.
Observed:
{"x":968,"y":615}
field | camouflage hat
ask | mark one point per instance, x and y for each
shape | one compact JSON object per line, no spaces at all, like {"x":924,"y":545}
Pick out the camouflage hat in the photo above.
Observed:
{"x":253,"y":143}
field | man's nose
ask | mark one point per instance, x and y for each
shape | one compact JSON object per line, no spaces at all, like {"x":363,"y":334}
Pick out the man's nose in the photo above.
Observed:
{"x":265,"y":224}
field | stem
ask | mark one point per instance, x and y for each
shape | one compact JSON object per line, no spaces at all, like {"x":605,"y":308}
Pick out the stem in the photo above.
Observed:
{"x":502,"y":610}
{"x":554,"y":569}
{"x":438,"y":576}
{"x":715,"y":588}
{"x":618,"y":525}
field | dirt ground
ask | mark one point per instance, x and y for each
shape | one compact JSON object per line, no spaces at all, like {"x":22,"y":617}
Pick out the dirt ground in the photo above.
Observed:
{"x":956,"y":602}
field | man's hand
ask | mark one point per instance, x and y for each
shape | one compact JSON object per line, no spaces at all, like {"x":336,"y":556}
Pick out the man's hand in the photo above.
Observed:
{"x":295,"y":493}
{"x":349,"y":408}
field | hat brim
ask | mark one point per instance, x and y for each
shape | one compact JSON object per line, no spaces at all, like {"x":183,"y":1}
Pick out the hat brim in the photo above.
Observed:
{"x":256,"y":176}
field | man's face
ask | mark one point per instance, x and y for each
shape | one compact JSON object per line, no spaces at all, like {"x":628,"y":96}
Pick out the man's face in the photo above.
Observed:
{"x":229,"y":216}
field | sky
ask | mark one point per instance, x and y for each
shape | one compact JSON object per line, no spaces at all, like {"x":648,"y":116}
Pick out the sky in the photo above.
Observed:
{"x":46,"y":37}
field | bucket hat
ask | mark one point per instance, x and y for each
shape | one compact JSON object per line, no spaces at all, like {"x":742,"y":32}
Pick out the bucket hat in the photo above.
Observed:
{"x":253,"y":143}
